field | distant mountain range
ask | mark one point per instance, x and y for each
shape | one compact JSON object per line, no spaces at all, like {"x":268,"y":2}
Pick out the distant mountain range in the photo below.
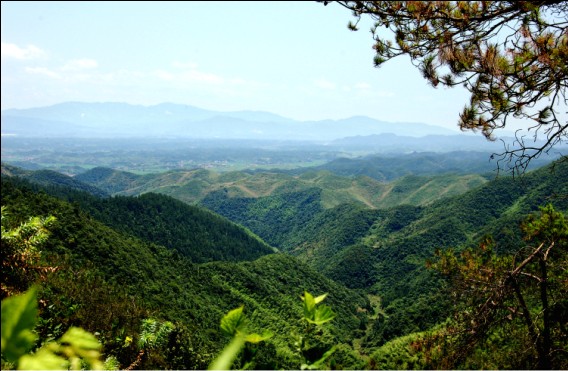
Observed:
{"x":74,"y":119}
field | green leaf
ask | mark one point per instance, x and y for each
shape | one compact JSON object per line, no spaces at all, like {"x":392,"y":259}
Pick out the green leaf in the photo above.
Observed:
{"x":309,"y":305}
{"x":43,"y":359}
{"x":320,"y":298}
{"x":83,"y":343}
{"x":322,"y":315}
{"x":18,"y":320}
{"x":75,"y":349}
{"x":256,"y":338}
{"x":233,"y":322}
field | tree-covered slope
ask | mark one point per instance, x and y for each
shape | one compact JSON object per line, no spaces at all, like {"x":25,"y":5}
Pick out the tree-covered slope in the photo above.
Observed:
{"x":52,"y":178}
{"x":400,"y":241}
{"x":194,"y":232}
{"x":449,"y":222}
{"x":291,"y":219}
{"x":275,"y":219}
{"x":167,"y":285}
{"x":193,"y":186}
{"x":330,"y":231}
{"x":379,"y":252}
{"x":391,"y":167}
{"x":109,"y":180}
{"x":384,"y":251}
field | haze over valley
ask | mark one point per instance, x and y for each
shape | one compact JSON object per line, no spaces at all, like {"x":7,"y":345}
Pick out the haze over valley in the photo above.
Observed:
{"x":73,"y":137}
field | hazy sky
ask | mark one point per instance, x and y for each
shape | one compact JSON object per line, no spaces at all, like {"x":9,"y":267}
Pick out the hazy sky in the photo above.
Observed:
{"x":296,"y":59}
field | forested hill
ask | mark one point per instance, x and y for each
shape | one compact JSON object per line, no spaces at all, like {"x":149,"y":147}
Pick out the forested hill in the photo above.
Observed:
{"x":51,"y":178}
{"x":371,"y":261}
{"x":196,"y":185}
{"x":391,"y":167}
{"x":109,"y":180}
{"x":194,"y":232}
{"x":380,"y":167}
{"x":384,"y":251}
{"x":490,"y":208}
{"x":108,"y":281}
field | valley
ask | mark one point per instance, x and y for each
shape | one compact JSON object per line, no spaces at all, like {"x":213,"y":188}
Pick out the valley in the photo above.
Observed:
{"x":362,"y":230}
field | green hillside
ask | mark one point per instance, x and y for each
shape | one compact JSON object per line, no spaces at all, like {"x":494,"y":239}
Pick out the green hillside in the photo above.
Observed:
{"x":409,"y":236}
{"x":52,"y":178}
{"x":391,"y":167}
{"x":275,"y":219}
{"x":104,"y":269}
{"x":193,"y":186}
{"x":384,"y":251}
{"x":194,"y":232}
{"x":109,"y":180}
{"x":139,"y":256}
{"x":292,"y":219}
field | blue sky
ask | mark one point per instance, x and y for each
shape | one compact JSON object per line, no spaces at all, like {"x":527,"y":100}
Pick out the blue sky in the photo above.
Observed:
{"x":296,"y":59}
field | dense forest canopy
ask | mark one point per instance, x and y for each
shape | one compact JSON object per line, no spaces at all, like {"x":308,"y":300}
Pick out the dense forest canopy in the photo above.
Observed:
{"x":390,"y":310}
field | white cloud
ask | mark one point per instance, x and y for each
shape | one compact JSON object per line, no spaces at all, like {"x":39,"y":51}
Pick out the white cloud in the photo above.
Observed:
{"x":42,"y":71}
{"x":80,"y":64}
{"x":14,"y":51}
{"x":72,"y":71}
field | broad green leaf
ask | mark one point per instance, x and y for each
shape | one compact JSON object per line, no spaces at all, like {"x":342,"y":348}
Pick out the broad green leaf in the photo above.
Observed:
{"x":18,"y":320}
{"x":256,"y":338}
{"x":233,"y":322}
{"x":309,"y":305}
{"x":78,"y":348}
{"x":320,"y":298}
{"x":43,"y":359}
{"x":83,"y":343}
{"x":227,"y":357}
{"x":322,"y":315}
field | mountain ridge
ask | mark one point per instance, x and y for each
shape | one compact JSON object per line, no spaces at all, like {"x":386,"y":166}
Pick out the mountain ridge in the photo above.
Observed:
{"x":77,"y":119}
{"x":196,"y":185}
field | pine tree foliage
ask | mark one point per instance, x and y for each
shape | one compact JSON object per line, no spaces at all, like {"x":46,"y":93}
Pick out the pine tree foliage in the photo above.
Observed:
{"x":511,"y":56}
{"x":20,"y":251}
{"x":522,"y":295}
